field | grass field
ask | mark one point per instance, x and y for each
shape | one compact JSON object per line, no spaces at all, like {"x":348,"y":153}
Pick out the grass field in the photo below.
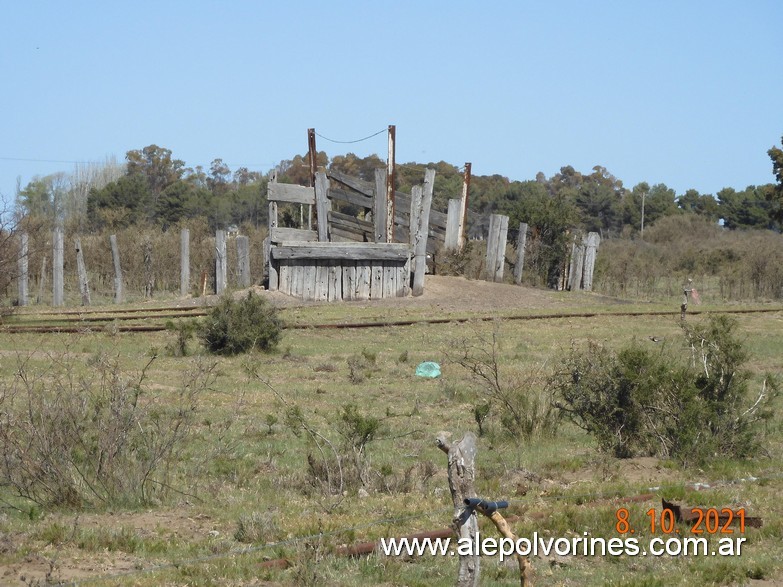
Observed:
{"x":241,"y":490}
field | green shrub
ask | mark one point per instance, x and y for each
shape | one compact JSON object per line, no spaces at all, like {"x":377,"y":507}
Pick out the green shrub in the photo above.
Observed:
{"x":233,"y":327}
{"x":690,"y":405}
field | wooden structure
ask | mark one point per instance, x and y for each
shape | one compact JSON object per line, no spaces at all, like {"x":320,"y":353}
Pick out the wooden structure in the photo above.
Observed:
{"x":348,"y":256}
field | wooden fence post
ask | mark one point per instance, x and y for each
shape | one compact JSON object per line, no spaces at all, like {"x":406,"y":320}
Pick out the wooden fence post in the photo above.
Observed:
{"x":23,"y":269}
{"x":84,"y":284}
{"x":42,"y":281}
{"x":379,"y":205}
{"x":221,"y":270}
{"x":413,"y":227}
{"x":243,"y":261}
{"x":462,"y":475}
{"x":322,"y":206}
{"x":274,"y":281}
{"x":422,"y":233}
{"x":115,"y":256}
{"x":591,"y":250}
{"x":149,"y":278}
{"x":496,"y":247}
{"x":577,"y":262}
{"x":58,"y":261}
{"x":463,"y":213}
{"x":520,"y":263}
{"x":184,"y":262}
{"x":452,"y":242}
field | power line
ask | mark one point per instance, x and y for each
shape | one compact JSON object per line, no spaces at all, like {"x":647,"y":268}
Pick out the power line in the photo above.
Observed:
{"x":354,"y":141}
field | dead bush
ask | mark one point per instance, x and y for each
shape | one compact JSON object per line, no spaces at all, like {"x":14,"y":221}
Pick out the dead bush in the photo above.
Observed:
{"x":521,"y":402}
{"x":74,"y":437}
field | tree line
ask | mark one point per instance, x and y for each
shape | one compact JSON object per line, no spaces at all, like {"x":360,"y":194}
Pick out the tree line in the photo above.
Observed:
{"x":152,"y":187}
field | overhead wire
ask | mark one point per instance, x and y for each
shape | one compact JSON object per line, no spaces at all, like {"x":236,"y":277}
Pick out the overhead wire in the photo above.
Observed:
{"x":353,"y":141}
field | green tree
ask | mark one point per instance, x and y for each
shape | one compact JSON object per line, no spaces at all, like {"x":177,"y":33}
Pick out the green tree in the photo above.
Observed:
{"x":44,"y":197}
{"x":120,"y":203}
{"x":156,"y":167}
{"x":702,"y":204}
{"x":775,"y":193}
{"x":749,"y":208}
{"x":549,"y":217}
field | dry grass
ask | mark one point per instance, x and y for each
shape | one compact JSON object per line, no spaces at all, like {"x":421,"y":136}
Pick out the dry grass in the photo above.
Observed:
{"x":247,"y":475}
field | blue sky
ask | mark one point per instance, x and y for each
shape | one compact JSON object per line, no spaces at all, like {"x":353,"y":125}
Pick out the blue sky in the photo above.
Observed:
{"x":685,"y":93}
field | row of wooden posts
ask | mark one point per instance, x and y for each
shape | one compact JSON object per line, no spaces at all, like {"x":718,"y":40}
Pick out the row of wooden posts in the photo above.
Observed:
{"x":58,"y":262}
{"x":356,"y":279}
{"x":577,"y":268}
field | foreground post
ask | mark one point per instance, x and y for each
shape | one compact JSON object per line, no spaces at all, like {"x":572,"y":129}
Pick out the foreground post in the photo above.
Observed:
{"x":462,"y":475}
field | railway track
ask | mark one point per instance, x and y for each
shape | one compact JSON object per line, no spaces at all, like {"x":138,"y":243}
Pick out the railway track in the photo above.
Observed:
{"x":154,"y":320}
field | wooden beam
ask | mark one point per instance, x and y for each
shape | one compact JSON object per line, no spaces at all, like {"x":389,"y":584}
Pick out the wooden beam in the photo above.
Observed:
{"x":359,"y":185}
{"x":348,"y":251}
{"x":351,"y":197}
{"x":287,"y":192}
{"x":279,"y":235}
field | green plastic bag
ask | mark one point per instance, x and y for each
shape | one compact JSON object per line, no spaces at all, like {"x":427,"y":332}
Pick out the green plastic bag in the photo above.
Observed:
{"x":428,"y":369}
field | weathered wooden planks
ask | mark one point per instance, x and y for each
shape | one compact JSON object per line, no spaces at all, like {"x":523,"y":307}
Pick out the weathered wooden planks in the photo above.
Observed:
{"x":342,"y":251}
{"x":294,"y":194}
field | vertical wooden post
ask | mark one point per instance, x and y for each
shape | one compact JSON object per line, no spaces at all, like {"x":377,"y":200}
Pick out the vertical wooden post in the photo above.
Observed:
{"x":42,"y":281}
{"x":453,"y":219}
{"x":496,"y":247}
{"x":81,"y":269}
{"x":422,"y":233}
{"x":221,"y":271}
{"x":462,"y":476}
{"x":243,"y":261}
{"x":390,"y":186}
{"x":379,"y":207}
{"x":58,"y":261}
{"x":577,"y":262}
{"x":115,"y":256}
{"x":463,"y":217}
{"x":322,"y":206}
{"x":23,"y":269}
{"x":184,"y":262}
{"x":311,"y":149}
{"x":413,"y":227}
{"x":274,"y":282}
{"x":520,"y":263}
{"x":591,"y":250}
{"x":149,"y":278}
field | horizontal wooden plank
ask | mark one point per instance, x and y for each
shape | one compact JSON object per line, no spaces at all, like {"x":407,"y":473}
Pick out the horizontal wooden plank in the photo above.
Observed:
{"x":350,"y":251}
{"x":342,"y":236}
{"x":402,"y":206}
{"x":350,"y":221}
{"x":361,"y":186}
{"x":287,"y":192}
{"x":292,"y":234}
{"x":351,"y":198}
